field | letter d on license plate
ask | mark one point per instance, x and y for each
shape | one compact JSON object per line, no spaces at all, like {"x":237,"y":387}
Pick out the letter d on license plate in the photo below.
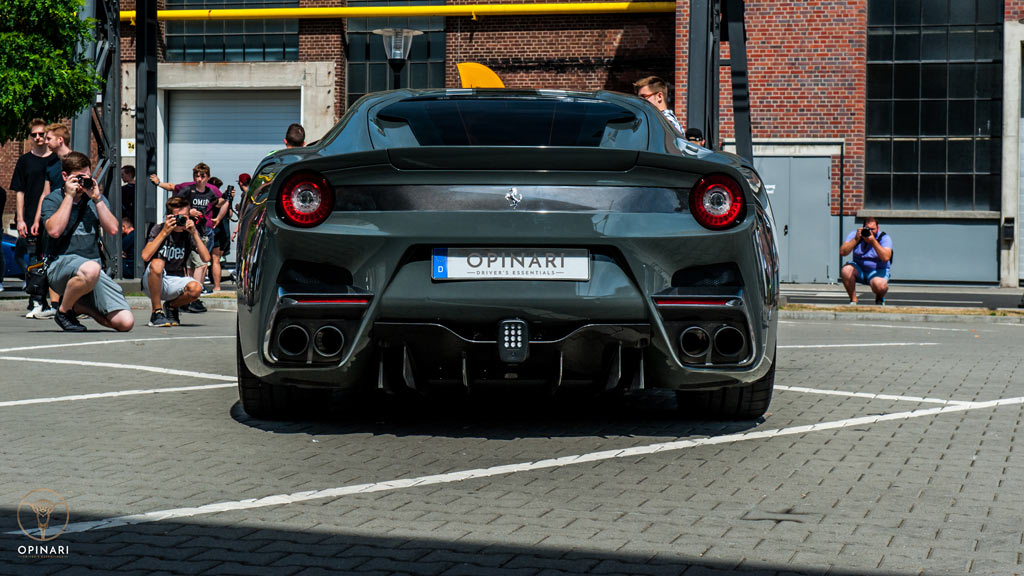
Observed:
{"x":510,"y":264}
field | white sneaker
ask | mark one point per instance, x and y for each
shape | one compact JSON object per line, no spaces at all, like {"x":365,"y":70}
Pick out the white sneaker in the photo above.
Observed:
{"x":1,"y":287}
{"x":33,"y":313}
{"x":46,"y":314}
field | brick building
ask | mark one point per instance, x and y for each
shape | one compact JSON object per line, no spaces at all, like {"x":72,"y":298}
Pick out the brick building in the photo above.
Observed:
{"x":907,"y":110}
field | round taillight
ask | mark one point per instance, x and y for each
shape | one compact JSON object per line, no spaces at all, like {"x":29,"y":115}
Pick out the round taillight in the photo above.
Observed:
{"x":306,"y":200}
{"x":716,"y":201}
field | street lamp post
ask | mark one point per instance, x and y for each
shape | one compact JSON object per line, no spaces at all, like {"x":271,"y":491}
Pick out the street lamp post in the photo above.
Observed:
{"x":397,"y":42}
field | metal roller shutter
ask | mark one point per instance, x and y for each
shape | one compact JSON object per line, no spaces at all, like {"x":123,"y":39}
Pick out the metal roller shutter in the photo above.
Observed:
{"x":230,"y":130}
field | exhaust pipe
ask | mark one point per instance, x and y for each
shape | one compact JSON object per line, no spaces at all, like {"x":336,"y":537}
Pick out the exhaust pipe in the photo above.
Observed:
{"x":695,"y":342}
{"x":293,"y":340}
{"x":729,"y":341}
{"x":328,"y":341}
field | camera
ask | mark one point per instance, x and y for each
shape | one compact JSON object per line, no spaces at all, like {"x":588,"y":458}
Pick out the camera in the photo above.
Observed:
{"x":865,"y":232}
{"x":180,"y":220}
{"x":86,"y":183}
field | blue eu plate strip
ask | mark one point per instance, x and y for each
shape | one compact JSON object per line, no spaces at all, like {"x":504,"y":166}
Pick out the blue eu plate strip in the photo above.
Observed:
{"x":440,"y":264}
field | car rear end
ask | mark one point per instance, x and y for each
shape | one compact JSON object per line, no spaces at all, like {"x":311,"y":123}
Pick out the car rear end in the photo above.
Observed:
{"x":473,"y":266}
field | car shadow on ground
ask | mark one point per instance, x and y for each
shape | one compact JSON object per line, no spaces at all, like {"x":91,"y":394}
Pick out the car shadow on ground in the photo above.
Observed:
{"x":499,"y":416}
{"x":207,"y":546}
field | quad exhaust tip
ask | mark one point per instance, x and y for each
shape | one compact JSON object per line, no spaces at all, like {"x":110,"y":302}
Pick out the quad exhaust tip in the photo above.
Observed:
{"x":695,"y":342}
{"x":293,"y":340}
{"x":328,"y":341}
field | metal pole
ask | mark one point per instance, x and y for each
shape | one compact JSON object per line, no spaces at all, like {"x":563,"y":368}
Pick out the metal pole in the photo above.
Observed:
{"x":82,"y":124}
{"x":147,"y":33}
{"x":737,"y":36}
{"x":697,"y":68}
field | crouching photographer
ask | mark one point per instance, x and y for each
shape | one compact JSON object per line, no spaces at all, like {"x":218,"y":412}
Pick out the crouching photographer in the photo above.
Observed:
{"x":74,"y":216}
{"x":167,"y":251}
{"x":872,"y":261}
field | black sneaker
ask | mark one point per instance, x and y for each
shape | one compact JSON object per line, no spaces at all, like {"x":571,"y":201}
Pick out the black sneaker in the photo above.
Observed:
{"x":158,"y":319}
{"x":197,"y":307}
{"x":172,"y":314}
{"x":68,"y":321}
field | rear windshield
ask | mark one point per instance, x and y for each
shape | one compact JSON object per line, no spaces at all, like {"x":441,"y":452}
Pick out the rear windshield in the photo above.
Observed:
{"x":507,"y":121}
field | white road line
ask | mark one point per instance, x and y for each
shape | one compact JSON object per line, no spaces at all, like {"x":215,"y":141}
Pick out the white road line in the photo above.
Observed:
{"x":158,"y":370}
{"x":843,"y":324}
{"x":873,"y":344}
{"x":113,"y":394}
{"x":399,"y":484}
{"x":870,"y":396}
{"x":101,"y":342}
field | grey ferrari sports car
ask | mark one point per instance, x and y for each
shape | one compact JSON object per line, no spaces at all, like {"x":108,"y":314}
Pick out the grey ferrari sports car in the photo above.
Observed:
{"x":475,"y":239}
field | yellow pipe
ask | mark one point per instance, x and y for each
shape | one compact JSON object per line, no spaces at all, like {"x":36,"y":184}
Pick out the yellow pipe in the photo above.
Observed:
{"x":472,"y":10}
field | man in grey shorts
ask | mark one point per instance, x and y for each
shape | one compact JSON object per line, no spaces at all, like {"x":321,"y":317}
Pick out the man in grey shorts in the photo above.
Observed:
{"x":73,"y":217}
{"x":167,"y":250}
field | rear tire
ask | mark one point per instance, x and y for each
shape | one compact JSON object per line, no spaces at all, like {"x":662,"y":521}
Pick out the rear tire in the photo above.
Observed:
{"x":260,"y":399}
{"x":744,"y":402}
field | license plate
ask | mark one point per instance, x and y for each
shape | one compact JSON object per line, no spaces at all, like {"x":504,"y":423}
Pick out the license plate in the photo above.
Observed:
{"x":510,"y":264}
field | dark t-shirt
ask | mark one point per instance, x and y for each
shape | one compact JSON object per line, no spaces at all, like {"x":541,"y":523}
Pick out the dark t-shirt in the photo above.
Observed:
{"x":128,"y":248}
{"x":128,"y":200}
{"x":84,"y":239}
{"x":55,"y":174}
{"x":29,"y":177}
{"x":204,"y":201}
{"x":175,"y":250}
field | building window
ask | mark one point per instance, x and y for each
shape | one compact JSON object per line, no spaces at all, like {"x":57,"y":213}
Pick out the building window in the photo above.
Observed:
{"x":368,"y":69}
{"x":934,"y":104}
{"x":232,"y":40}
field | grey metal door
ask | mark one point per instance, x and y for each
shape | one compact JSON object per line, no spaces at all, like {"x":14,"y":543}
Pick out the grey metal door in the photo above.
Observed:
{"x":799,"y":190}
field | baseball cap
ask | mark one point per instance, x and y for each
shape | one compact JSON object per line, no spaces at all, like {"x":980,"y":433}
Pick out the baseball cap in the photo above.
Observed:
{"x":244,"y":178}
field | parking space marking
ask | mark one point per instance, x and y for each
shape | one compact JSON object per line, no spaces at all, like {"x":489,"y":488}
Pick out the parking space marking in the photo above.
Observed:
{"x":157,"y":369}
{"x":101,"y":342}
{"x":867,"y":345}
{"x":450,"y":477}
{"x":869,"y":395}
{"x":113,"y":394}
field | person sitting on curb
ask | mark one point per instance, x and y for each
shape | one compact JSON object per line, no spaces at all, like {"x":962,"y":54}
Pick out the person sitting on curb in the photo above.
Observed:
{"x":872,"y":261}
{"x":167,"y":251}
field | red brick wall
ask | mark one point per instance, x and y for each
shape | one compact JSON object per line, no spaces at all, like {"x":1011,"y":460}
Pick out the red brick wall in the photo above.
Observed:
{"x":807,"y":71}
{"x":582,"y":52}
{"x":321,"y":41}
{"x":1013,"y":10}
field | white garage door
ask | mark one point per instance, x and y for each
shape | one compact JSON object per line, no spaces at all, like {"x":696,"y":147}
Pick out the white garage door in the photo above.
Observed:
{"x":231,"y":130}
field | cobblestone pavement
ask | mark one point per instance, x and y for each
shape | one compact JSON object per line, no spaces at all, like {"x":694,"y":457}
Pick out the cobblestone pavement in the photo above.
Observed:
{"x":888,"y":449}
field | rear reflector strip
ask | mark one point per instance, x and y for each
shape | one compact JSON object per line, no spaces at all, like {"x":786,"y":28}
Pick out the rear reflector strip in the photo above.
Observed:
{"x":693,"y":301}
{"x":308,"y":300}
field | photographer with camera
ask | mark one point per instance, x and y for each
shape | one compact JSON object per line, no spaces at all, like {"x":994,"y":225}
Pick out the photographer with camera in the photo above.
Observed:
{"x":167,"y":251}
{"x":872,"y":261}
{"x":73,"y":216}
{"x":205,"y":200}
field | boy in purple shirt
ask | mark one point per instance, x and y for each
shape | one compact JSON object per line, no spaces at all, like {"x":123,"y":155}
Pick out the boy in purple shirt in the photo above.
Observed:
{"x":872,"y":259}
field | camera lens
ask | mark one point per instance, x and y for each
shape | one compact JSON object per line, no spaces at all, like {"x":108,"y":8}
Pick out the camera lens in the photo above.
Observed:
{"x":180,"y":220}
{"x":86,"y":183}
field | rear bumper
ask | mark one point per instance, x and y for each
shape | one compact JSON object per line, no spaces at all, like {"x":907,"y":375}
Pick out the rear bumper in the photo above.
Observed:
{"x":415,"y":330}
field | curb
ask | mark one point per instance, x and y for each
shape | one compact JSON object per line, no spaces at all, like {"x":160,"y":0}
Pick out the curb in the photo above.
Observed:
{"x":897,"y":317}
{"x":136,"y":302}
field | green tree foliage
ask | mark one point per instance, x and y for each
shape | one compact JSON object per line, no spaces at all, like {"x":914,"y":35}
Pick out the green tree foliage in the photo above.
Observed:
{"x":42,"y":73}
